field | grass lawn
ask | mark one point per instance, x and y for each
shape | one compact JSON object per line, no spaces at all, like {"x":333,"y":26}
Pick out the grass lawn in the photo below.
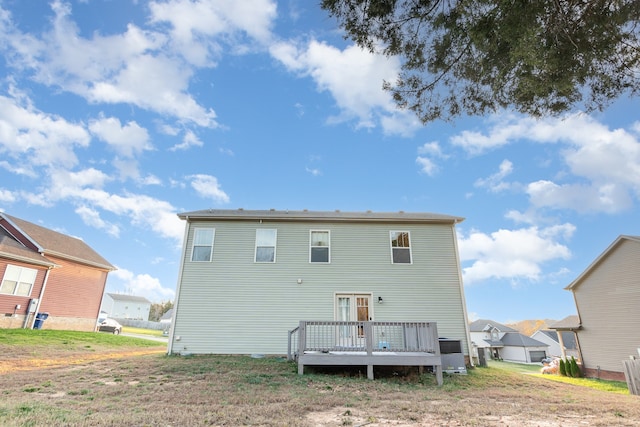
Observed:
{"x":619,"y":387}
{"x":101,"y":379}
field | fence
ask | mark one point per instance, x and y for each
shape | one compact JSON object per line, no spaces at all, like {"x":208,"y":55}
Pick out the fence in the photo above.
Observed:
{"x":632,"y":374}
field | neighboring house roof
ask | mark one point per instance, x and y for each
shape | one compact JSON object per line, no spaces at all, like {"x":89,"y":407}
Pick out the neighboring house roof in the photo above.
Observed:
{"x":305,"y":215}
{"x":598,"y":260}
{"x":168,"y":315}
{"x":128,"y":298}
{"x":494,"y":343}
{"x":481,"y":325}
{"x":52,"y":243}
{"x":10,"y":248}
{"x":516,"y":339}
{"x":569,"y":323}
{"x":568,"y":338}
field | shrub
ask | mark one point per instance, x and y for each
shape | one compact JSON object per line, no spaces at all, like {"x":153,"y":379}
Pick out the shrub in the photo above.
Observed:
{"x":563,"y":368}
{"x":575,"y":369}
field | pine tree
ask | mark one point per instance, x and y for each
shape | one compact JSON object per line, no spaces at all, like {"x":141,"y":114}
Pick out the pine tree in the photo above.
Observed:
{"x":575,"y":369}
{"x":477,"y":57}
{"x":562,"y":369}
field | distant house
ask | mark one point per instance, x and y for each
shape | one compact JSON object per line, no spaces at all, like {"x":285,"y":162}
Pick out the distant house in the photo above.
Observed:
{"x":498,"y":341}
{"x":607,"y":297}
{"x":567,"y":349}
{"x":44,"y":271}
{"x":166,"y":318}
{"x":247,"y":278}
{"x":122,"y":306}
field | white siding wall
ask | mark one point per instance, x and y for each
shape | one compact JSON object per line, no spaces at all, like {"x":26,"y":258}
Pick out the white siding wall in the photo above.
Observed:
{"x":235,"y":306}
{"x":519,"y":354}
{"x":608,"y":302}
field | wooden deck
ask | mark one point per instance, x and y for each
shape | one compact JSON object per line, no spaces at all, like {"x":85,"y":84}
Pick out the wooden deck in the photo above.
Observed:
{"x":335,"y":343}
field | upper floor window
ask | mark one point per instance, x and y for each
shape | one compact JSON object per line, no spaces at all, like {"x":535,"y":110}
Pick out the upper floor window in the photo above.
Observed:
{"x":18,"y":280}
{"x":266,"y":245}
{"x":203,"y":244}
{"x":400,"y":247}
{"x":319,"y":246}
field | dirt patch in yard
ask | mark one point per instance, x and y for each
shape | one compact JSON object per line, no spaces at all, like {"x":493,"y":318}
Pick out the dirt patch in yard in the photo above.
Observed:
{"x":142,"y":386}
{"x":14,"y":365}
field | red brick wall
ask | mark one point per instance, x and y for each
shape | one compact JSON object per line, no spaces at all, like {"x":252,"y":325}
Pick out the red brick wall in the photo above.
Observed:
{"x":73,"y":293}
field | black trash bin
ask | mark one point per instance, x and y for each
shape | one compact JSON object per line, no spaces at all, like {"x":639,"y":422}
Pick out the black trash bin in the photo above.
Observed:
{"x":40,"y":318}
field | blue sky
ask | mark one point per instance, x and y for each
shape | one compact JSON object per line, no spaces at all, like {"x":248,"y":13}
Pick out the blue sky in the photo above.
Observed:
{"x":117,"y":115}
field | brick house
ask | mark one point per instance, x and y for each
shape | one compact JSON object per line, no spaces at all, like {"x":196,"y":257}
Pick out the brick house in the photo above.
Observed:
{"x":46,"y":271}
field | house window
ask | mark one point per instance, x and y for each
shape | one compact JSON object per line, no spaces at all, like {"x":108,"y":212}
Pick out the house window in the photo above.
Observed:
{"x":203,"y":244}
{"x":18,"y":280}
{"x":400,"y":247}
{"x":266,"y":245}
{"x":319,"y":246}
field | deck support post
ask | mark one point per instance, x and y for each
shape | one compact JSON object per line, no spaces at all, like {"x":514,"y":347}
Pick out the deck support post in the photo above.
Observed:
{"x":368,"y":333}
{"x":302,"y":343}
{"x":439,"y":374}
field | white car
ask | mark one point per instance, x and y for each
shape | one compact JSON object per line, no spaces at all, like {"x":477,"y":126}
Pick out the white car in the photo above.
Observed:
{"x":110,"y":325}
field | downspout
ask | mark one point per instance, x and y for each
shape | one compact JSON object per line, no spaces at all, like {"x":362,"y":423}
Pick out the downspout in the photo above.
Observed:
{"x":40,"y":297}
{"x":187,"y":228}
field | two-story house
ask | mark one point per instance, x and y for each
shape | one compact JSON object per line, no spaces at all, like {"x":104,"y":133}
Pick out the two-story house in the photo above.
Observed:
{"x":42,"y":270}
{"x":247,"y":277}
{"x":493,"y":340}
{"x":123,"y":306}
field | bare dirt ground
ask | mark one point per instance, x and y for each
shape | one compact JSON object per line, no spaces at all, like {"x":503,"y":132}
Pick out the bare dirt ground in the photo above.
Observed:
{"x":143,"y":387}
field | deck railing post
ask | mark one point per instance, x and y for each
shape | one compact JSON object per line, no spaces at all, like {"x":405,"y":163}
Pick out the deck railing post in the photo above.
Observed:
{"x":368,"y":339}
{"x":302,"y":342}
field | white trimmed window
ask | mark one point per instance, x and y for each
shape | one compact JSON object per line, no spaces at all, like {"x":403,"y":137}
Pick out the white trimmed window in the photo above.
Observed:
{"x":319,"y":246}
{"x":203,"y":244}
{"x":266,"y":244}
{"x":400,"y":247}
{"x":18,"y":280}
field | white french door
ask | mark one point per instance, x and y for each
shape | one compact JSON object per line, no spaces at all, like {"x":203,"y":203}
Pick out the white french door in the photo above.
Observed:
{"x":352,"y":307}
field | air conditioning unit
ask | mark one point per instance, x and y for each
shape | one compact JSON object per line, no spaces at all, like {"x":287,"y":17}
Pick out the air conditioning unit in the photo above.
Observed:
{"x":452,"y":357}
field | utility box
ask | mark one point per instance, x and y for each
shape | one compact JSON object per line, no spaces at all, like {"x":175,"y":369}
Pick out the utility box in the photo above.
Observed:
{"x":452,"y":357}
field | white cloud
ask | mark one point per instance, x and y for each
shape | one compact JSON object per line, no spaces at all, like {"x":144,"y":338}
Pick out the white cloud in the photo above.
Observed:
{"x":495,"y":183}
{"x":84,"y":188}
{"x":197,"y":24}
{"x":34,"y":138}
{"x":608,"y":198}
{"x":604,"y":163}
{"x":354,"y":78}
{"x":427,"y":153}
{"x":314,"y":171}
{"x":135,"y":67}
{"x":92,"y":218}
{"x":512,"y":254}
{"x":143,"y":285}
{"x":207,"y":186}
{"x":189,"y":140}
{"x":427,"y":165}
{"x":7,"y":196}
{"x":127,"y":140}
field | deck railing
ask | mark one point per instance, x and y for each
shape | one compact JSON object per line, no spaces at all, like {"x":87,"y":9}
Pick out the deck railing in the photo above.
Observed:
{"x":333,"y":336}
{"x":366,"y":343}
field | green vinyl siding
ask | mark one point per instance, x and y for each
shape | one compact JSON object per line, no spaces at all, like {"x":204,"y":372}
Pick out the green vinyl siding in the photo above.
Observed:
{"x":233,"y":305}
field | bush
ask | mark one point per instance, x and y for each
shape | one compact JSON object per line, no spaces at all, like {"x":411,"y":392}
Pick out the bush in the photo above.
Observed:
{"x":563,"y":368}
{"x":575,"y":369}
